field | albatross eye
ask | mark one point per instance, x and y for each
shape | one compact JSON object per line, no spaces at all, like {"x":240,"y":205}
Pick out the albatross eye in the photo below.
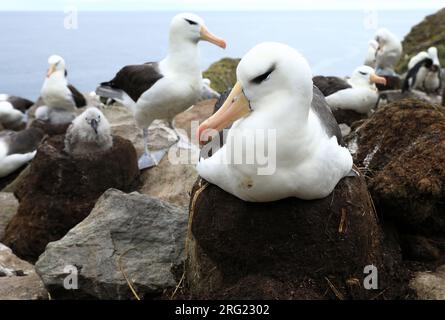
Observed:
{"x":191,"y":22}
{"x":263,"y":77}
{"x":363,"y":73}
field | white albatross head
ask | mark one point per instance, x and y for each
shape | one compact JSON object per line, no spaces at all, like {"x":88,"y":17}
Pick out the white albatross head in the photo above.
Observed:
{"x":387,"y":40}
{"x":365,"y":76}
{"x":56,"y":63}
{"x":270,"y":74}
{"x":190,"y":27}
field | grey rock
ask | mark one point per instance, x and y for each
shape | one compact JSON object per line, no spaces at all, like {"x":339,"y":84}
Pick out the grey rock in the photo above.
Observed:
{"x":430,"y":285}
{"x":18,"y":279}
{"x":125,"y":234}
{"x":8,"y":208}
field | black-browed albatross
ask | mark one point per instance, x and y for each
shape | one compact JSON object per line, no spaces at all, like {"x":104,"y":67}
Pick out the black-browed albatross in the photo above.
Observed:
{"x":18,"y":148}
{"x":56,"y":92}
{"x":161,"y":90}
{"x":275,"y":96}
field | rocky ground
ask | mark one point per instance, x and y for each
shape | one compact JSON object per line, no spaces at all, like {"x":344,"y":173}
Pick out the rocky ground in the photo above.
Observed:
{"x":49,"y":208}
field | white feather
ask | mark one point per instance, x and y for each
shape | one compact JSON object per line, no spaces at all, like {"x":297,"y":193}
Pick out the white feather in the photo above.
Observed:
{"x":309,"y":164}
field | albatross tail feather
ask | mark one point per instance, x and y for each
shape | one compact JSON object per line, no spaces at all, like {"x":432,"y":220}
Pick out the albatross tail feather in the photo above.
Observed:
{"x":116,"y":94}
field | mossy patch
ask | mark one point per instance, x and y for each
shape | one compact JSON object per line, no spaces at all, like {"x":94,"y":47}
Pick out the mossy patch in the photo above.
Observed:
{"x":222,"y":74}
{"x":429,"y":32}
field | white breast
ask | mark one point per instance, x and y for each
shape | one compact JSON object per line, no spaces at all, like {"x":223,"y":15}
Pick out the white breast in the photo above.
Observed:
{"x":360,"y":99}
{"x":55,"y":92}
{"x":172,"y":94}
{"x":301,"y":166}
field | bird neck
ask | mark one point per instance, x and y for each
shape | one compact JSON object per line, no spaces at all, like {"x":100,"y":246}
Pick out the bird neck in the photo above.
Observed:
{"x":58,"y":76}
{"x":183,"y":56}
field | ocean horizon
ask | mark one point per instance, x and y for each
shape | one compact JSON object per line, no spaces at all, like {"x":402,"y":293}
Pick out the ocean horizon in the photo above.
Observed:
{"x":334,"y":42}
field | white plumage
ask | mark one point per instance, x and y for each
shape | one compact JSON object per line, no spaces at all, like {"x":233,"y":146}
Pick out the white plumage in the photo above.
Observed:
{"x":362,"y":96}
{"x":55,"y":92}
{"x":11,"y":117}
{"x":276,"y":82}
{"x":17,"y":148}
{"x":171,"y":85}
{"x":371,"y":54}
{"x":427,"y":79}
{"x":388,"y":53}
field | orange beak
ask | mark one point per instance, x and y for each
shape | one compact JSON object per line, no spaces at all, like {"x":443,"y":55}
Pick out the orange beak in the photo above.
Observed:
{"x":377,"y":79}
{"x":51,"y":70}
{"x":206,"y":35}
{"x":235,"y":107}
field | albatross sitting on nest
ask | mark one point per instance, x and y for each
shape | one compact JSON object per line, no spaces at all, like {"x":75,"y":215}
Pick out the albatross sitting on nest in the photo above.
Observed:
{"x":161,"y":90}
{"x":18,"y":148}
{"x":358,"y":94}
{"x":275,"y":92}
{"x":10,"y":117}
{"x":18,"y":103}
{"x":59,"y":97}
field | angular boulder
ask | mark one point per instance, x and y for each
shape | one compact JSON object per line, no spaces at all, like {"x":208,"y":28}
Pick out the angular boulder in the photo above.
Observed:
{"x":60,"y":190}
{"x":287,"y":249}
{"x":18,"y":279}
{"x":127,"y":239}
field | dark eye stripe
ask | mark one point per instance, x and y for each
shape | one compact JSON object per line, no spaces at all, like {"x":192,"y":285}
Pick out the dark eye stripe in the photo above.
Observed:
{"x":264,"y":76}
{"x":191,"y":22}
{"x":363,"y":73}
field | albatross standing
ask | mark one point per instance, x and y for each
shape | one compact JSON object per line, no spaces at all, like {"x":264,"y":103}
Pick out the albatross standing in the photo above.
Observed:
{"x":275,"y":92}
{"x":161,"y":90}
{"x":57,"y":94}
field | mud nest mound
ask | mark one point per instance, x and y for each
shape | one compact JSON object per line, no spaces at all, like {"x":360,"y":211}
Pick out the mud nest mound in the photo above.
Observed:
{"x":403,"y":148}
{"x":287,"y":249}
{"x":61,"y":190}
